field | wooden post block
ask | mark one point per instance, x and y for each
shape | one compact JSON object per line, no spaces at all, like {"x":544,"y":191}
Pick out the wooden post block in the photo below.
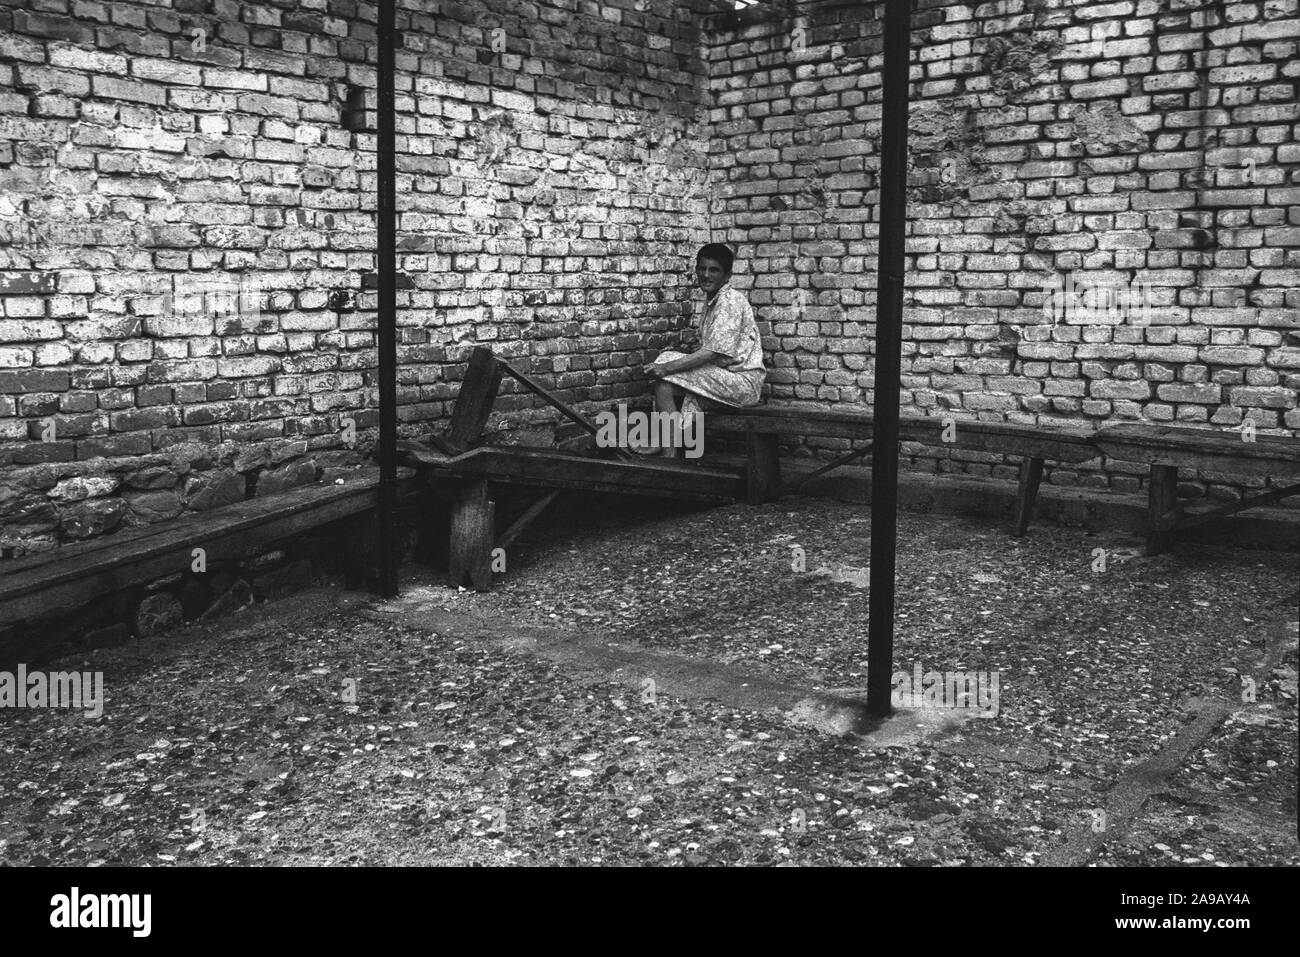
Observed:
{"x":474,"y":402}
{"x":433,"y":524}
{"x":763,"y":472}
{"x":361,"y":564}
{"x":1162,"y":506}
{"x":359,"y":541}
{"x":1031,"y":474}
{"x":470,"y":547}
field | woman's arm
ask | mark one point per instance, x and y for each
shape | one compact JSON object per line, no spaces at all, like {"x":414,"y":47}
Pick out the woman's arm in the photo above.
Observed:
{"x":697,"y":358}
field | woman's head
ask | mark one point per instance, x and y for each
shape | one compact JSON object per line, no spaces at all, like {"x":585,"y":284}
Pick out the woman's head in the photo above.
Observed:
{"x":713,"y":267}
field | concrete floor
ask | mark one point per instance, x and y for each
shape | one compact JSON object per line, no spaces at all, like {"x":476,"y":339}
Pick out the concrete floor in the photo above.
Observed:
{"x":652,"y":684}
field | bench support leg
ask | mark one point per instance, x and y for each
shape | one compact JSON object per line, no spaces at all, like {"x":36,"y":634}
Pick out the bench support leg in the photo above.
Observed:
{"x":470,"y":548}
{"x":1162,"y":506}
{"x":361,"y":563}
{"x":1031,"y":474}
{"x":763,"y":474}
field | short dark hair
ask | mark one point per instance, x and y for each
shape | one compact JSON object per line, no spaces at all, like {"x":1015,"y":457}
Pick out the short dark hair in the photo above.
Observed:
{"x":718,"y":253}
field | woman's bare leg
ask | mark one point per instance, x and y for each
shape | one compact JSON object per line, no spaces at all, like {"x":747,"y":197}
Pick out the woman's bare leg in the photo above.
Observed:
{"x":666,"y":401}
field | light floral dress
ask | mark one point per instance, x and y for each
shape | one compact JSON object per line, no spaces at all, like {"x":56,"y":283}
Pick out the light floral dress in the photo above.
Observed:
{"x":729,"y":329}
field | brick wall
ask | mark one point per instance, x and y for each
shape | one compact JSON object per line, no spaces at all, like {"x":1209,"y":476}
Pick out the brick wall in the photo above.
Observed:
{"x":1144,"y":145}
{"x":156,"y":153}
{"x":559,"y":161}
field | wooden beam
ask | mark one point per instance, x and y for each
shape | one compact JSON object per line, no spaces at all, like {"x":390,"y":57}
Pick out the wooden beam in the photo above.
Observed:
{"x":1201,"y":518}
{"x":1202,"y":449}
{"x":1031,"y":474}
{"x":470,"y":550}
{"x":478,"y":391}
{"x":517,"y":527}
{"x":551,"y":468}
{"x":792,"y":420}
{"x":763,"y":468}
{"x":1162,"y":506}
{"x":550,"y":398}
{"x":567,"y":410}
{"x":1010,"y":438}
{"x":835,"y":463}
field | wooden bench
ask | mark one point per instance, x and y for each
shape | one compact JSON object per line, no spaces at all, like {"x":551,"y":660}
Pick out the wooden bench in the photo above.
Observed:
{"x":763,"y":425}
{"x":473,"y":535}
{"x":65,"y":578}
{"x":1166,"y":450}
{"x":455,"y":455}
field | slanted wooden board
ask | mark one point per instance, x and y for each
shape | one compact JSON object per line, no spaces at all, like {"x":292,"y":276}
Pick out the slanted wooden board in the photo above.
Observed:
{"x":527,"y":517}
{"x":553,"y":468}
{"x":478,"y":390}
{"x":67,"y":577}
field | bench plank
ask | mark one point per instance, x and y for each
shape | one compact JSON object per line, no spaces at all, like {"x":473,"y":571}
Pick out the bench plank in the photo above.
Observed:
{"x":74,"y":574}
{"x":1011,"y":438}
{"x":1034,"y":444}
{"x":553,"y":468}
{"x":1203,"y":449}
{"x":789,"y":419}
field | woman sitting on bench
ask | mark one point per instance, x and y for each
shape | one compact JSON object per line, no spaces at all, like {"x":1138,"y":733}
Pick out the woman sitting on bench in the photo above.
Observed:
{"x":727,"y":367}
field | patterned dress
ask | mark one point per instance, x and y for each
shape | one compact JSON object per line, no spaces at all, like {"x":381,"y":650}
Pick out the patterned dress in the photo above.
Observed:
{"x":729,"y":329}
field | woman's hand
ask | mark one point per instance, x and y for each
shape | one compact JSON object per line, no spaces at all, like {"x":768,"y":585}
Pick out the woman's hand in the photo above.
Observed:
{"x":655,"y":371}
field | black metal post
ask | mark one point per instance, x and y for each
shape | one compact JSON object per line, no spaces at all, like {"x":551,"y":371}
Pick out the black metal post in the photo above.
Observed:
{"x":386,"y":337}
{"x":888,"y":368}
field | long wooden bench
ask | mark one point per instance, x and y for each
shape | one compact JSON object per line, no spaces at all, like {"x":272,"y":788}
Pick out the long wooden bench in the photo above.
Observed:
{"x":1166,"y":450}
{"x":457,"y":456}
{"x":764,"y":425}
{"x":67,"y":577}
{"x":473,"y":535}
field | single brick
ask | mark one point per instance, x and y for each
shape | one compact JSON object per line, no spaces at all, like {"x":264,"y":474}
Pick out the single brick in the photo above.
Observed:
{"x":28,"y":283}
{"x":34,"y":380}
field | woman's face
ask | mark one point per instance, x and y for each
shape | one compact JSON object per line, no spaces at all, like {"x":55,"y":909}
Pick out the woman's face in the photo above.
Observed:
{"x":710,"y":275}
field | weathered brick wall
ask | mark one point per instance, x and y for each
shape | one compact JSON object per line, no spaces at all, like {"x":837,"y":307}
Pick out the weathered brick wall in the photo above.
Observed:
{"x":558,"y":163}
{"x":550,"y":169}
{"x":1145,"y":144}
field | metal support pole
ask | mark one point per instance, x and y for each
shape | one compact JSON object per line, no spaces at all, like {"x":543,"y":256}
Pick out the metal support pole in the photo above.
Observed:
{"x":888,"y":369}
{"x":386,"y":338}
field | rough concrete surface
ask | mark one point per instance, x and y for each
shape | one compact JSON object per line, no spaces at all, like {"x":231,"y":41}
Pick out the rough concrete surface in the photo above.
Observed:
{"x":649,"y":684}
